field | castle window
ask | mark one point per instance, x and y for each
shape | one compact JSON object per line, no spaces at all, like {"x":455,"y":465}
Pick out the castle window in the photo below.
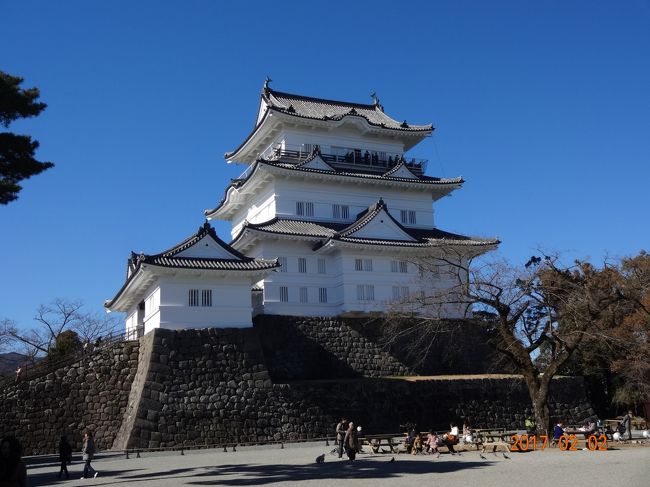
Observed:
{"x":321,"y":266}
{"x":399,"y":266}
{"x":340,"y":212}
{"x":283,"y":264}
{"x":363,"y":265}
{"x":194,"y":297}
{"x":304,"y":208}
{"x":206,"y":297}
{"x":304,"y":297}
{"x":365,"y":292}
{"x":284,"y":294}
{"x":407,"y":216}
{"x":400,"y":292}
{"x":302,"y":265}
{"x":322,"y":295}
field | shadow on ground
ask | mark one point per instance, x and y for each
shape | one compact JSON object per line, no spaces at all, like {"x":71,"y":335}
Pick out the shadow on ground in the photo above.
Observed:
{"x":49,"y":478}
{"x":246,"y":474}
{"x":258,"y":474}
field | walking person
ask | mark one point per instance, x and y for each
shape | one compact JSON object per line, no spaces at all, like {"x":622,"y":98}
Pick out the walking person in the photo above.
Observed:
{"x":340,"y":435}
{"x":13,"y":472}
{"x":351,"y":441}
{"x":88,"y":451}
{"x":65,"y":456}
{"x":627,"y":422}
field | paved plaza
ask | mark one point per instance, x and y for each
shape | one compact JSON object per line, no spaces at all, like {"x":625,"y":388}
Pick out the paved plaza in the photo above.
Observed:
{"x":295,"y":465}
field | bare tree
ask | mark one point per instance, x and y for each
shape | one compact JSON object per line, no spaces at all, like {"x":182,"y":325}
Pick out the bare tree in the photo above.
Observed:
{"x":537,"y":314}
{"x":52,"y":321}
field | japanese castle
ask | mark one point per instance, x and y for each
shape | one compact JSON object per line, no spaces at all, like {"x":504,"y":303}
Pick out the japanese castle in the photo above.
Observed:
{"x":330,"y":218}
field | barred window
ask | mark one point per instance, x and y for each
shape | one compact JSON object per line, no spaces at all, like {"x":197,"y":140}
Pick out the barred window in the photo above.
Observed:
{"x":206,"y":297}
{"x":283,"y":264}
{"x":284,"y":294}
{"x":322,"y":295}
{"x":402,"y":292}
{"x":194,"y":297}
{"x":396,"y":292}
{"x":363,"y":265}
{"x":321,"y":266}
{"x":399,"y":266}
{"x":365,"y":292}
{"x":304,"y":296}
{"x":302,"y":264}
{"x":407,"y":216}
{"x":361,"y":292}
{"x":304,"y":208}
{"x":340,"y":212}
{"x":370,"y":292}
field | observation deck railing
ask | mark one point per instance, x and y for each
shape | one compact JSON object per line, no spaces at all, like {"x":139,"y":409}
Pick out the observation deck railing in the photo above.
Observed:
{"x":347,"y":157}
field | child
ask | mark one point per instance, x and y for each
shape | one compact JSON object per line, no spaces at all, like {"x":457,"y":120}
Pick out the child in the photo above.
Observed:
{"x":432,"y":443}
{"x":417,"y":445}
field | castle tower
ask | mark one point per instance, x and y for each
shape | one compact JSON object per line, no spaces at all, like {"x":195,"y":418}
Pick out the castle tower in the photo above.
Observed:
{"x":330,"y":191}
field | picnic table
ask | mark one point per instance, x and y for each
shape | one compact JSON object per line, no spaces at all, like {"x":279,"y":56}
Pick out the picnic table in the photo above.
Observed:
{"x":375,"y":443}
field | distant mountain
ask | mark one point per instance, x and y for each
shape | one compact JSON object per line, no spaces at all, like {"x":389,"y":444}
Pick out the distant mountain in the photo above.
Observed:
{"x":9,"y":362}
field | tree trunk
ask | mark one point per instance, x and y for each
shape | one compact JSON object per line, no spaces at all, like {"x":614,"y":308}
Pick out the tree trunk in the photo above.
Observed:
{"x":542,"y":413}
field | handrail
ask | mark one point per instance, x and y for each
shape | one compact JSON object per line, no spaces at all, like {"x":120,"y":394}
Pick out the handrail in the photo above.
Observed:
{"x":346,"y":156}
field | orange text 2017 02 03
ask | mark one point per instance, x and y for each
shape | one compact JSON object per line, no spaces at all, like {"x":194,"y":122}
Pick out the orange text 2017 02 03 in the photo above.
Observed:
{"x":565,"y":442}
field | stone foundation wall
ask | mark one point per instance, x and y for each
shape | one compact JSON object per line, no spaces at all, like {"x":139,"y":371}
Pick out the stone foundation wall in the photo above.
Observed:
{"x":297,"y":348}
{"x":382,"y":405}
{"x":92,"y":393}
{"x":198,"y":387}
{"x":212,"y":386}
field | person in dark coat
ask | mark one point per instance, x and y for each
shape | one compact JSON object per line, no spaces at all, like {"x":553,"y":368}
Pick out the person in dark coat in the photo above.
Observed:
{"x":351,"y":441}
{"x":13,"y":472}
{"x":65,"y":456}
{"x":341,"y":429}
{"x":88,"y":452}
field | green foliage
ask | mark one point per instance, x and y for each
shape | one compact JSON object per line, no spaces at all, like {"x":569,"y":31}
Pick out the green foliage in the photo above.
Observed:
{"x":17,"y":160}
{"x":66,"y":344}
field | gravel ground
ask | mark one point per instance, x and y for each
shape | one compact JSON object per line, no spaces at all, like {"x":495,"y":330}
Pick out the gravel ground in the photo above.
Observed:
{"x":295,"y":465}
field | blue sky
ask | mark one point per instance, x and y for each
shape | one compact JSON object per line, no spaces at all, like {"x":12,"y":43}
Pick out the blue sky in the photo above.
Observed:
{"x":543,"y":107}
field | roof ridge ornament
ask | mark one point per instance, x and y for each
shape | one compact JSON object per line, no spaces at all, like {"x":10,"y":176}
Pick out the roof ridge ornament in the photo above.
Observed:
{"x":266,"y":87}
{"x":404,"y":125}
{"x":375,"y":101}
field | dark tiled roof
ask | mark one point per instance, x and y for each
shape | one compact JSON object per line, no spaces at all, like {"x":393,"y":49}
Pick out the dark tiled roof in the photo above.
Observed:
{"x":421,"y":180}
{"x":205,"y":229}
{"x":338,"y":232}
{"x":321,"y":109}
{"x":360,"y":174}
{"x":321,"y":229}
{"x":212,"y":264}
{"x":169,"y":259}
{"x":328,"y":110}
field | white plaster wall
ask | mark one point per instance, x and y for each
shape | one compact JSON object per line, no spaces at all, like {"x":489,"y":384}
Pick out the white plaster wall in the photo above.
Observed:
{"x":341,"y":280}
{"x":231,"y":303}
{"x":357,"y":196}
{"x":261,"y":208}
